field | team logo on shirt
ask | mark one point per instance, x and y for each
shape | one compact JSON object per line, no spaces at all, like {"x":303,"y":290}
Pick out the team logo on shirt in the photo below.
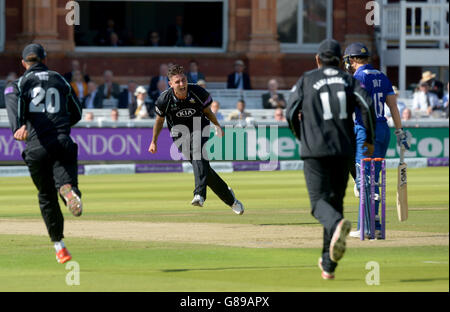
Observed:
{"x":192,"y":101}
{"x":186,"y":112}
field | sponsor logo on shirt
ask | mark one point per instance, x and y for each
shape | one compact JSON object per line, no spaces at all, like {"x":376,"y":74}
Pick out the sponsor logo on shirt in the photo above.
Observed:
{"x":186,"y":112}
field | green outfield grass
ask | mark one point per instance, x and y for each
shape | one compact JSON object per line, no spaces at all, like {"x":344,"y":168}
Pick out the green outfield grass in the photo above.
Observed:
{"x":271,"y":198}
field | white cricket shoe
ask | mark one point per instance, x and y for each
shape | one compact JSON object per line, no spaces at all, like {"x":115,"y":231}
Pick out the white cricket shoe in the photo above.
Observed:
{"x":338,"y":244}
{"x":198,"y":201}
{"x":355,"y":234}
{"x":237,"y":206}
{"x":73,"y":201}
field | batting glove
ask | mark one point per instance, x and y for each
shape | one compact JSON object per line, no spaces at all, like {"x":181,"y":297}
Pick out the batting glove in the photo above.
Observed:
{"x":403,"y":138}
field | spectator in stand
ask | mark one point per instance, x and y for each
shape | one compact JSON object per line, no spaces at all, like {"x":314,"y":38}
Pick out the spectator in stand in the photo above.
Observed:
{"x":114,"y":40}
{"x":79,"y":86}
{"x":239,"y":79}
{"x":163,"y":70}
{"x":279,"y":115}
{"x":239,"y":113}
{"x":108,"y":90}
{"x":140,"y":109}
{"x":176,"y":32}
{"x":105,"y":34}
{"x":400,"y":105}
{"x":273,"y":99}
{"x":92,"y":99}
{"x":76,"y":66}
{"x":425,"y":101}
{"x":127,"y":96}
{"x":115,"y":114}
{"x":215,"y":106}
{"x":436,"y":86}
{"x":153,"y":39}
{"x":193,"y":75}
{"x":3,"y":83}
{"x":161,"y":87}
{"x":188,"y":40}
{"x":406,"y":114}
{"x":89,"y":116}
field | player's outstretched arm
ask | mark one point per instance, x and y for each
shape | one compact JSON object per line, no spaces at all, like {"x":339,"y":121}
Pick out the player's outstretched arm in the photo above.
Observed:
{"x":156,"y":131}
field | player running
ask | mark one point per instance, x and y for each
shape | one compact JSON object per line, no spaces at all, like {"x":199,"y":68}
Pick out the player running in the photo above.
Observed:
{"x":41,"y":109}
{"x":319,"y":113}
{"x":356,"y":58}
{"x":186,"y":108}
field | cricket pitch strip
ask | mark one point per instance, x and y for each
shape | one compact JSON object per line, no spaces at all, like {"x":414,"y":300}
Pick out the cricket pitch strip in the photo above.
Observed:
{"x":233,"y":235}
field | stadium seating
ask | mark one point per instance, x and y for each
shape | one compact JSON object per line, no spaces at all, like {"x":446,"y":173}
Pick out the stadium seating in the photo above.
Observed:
{"x":227,"y":99}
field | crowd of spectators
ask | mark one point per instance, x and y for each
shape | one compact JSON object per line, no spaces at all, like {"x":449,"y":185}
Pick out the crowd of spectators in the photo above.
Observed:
{"x":176,"y":35}
{"x":429,"y":99}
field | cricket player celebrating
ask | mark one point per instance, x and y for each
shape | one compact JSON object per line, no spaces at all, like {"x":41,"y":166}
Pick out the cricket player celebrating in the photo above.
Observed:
{"x":356,"y":58}
{"x":186,"y":108}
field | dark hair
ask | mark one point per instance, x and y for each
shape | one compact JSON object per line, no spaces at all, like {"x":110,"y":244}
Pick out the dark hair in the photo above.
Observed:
{"x":32,"y":58}
{"x":193,"y":61}
{"x":330,"y":60}
{"x":175,"y":70}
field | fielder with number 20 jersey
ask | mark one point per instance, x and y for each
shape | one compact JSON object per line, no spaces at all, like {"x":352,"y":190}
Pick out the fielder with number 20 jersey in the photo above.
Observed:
{"x":41,"y":109}
{"x":43,"y":101}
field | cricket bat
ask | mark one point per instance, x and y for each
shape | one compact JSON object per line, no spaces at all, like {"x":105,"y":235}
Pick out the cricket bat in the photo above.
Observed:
{"x":402,"y":193}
